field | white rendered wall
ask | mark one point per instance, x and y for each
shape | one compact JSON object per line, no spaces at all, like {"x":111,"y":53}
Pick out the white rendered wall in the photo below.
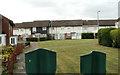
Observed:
{"x":3,"y":39}
{"x":22,"y":31}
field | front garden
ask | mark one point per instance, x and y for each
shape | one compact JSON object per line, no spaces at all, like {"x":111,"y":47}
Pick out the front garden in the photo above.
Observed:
{"x":69,"y":52}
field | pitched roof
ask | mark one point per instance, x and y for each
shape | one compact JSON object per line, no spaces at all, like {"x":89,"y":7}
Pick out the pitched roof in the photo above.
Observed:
{"x":118,"y":19}
{"x":57,"y":23}
{"x":44,"y":23}
{"x":101,"y":22}
{"x":107,"y":22}
{"x":6,"y":19}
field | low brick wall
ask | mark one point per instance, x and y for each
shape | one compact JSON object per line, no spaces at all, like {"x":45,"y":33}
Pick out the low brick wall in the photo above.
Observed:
{"x":12,"y":57}
{"x":18,"y":49}
{"x":11,"y":61}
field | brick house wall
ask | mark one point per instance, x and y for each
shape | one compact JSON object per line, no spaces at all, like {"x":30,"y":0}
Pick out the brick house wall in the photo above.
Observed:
{"x":7,"y":28}
{"x":0,"y":24}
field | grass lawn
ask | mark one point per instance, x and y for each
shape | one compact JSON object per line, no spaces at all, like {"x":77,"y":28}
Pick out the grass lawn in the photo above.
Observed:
{"x":69,"y":52}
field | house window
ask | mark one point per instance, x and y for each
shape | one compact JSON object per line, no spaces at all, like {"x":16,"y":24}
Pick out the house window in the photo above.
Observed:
{"x":12,"y":40}
{"x":10,"y":27}
{"x":34,"y":29}
{"x":79,"y":28}
{"x":0,"y":40}
{"x":44,"y":28}
{"x":68,"y":34}
{"x":21,"y":30}
{"x":68,"y":28}
{"x":73,"y":34}
{"x":62,"y":28}
{"x":52,"y":28}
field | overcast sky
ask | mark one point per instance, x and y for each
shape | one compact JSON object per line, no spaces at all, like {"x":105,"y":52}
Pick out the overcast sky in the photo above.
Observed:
{"x":30,"y":10}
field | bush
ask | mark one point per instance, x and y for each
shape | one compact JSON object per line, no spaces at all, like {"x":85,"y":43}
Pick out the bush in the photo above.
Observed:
{"x":100,"y":36}
{"x":32,"y":39}
{"x":115,"y":34}
{"x":104,"y":37}
{"x":49,"y":37}
{"x":96,"y":35}
{"x":87,"y":35}
{"x":43,"y":39}
{"x":6,"y":52}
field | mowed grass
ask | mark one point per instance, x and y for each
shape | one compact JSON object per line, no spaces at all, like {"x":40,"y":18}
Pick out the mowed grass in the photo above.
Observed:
{"x":69,"y":52}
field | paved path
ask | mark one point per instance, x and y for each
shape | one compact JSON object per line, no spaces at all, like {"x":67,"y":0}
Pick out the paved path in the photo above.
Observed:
{"x":20,"y":60}
{"x":34,"y":46}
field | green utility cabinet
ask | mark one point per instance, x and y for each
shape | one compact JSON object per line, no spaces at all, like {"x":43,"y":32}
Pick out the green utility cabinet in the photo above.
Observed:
{"x":40,"y":61}
{"x":93,"y":63}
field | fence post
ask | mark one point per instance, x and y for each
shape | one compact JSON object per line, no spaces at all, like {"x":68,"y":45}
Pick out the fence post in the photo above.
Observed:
{"x":93,"y":63}
{"x":40,"y":61}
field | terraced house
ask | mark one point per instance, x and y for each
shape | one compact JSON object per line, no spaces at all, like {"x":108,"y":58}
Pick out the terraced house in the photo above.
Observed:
{"x":66,"y":29}
{"x":62,"y":29}
{"x":6,"y":31}
{"x":32,"y":29}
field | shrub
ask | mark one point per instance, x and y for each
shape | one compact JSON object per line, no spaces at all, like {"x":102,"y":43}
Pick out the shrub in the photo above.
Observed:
{"x":49,"y":37}
{"x":104,"y":37}
{"x":115,"y":34}
{"x":32,"y":39}
{"x":87,"y":35}
{"x":100,"y":36}
{"x":96,"y":35}
{"x":43,"y":39}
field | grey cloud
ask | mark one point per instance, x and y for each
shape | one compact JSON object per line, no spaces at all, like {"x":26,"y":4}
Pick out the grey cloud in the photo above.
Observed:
{"x":71,"y":8}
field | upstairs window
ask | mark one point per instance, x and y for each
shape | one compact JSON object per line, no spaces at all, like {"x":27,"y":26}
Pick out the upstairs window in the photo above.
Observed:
{"x":79,"y":28}
{"x":34,"y":29}
{"x":21,"y":30}
{"x":62,"y":28}
{"x":68,"y":28}
{"x":44,"y":28}
{"x":10,"y":27}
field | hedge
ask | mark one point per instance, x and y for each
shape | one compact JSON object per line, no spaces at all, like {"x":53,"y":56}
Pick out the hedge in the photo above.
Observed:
{"x":104,"y":37}
{"x":87,"y":35}
{"x":43,"y":39}
{"x":46,"y":38}
{"x":96,"y":35}
{"x":100,"y":36}
{"x":32,"y":39}
{"x":115,"y":34}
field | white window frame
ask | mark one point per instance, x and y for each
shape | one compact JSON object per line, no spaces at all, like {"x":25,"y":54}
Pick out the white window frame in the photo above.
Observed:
{"x":3,"y":39}
{"x":34,"y":29}
{"x":79,"y":28}
{"x":44,"y":28}
{"x":15,"y":40}
{"x":68,"y":28}
{"x":62,"y":28}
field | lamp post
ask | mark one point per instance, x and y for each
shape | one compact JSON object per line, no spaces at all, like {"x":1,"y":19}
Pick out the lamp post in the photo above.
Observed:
{"x":98,"y":19}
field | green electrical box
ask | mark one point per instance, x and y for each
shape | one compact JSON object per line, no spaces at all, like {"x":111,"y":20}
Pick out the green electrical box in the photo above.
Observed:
{"x":40,"y":61}
{"x":93,"y":63}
